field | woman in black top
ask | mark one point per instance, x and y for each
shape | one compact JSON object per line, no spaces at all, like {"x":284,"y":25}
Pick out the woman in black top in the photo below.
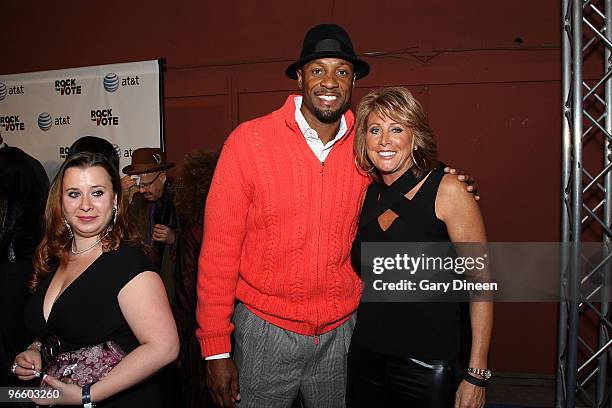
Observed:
{"x":94,"y":283}
{"x":403,"y":353}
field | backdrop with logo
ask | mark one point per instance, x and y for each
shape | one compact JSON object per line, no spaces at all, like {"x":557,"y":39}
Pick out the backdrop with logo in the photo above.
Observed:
{"x":44,"y":112}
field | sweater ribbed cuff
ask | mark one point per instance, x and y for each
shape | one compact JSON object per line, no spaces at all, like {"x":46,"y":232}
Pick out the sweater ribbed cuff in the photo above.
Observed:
{"x":215,"y":345}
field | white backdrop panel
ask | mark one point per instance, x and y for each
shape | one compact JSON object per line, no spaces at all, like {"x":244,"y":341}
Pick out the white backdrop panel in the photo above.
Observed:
{"x":43,"y":113}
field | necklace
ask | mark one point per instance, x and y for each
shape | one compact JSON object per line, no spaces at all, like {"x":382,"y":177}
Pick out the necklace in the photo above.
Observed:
{"x":74,"y":251}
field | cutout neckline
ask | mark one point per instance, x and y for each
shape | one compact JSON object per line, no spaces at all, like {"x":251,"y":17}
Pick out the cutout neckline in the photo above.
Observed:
{"x":381,"y":197}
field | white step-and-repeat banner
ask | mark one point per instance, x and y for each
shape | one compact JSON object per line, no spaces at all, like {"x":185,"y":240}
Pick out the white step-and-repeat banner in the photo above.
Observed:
{"x":43,"y":113}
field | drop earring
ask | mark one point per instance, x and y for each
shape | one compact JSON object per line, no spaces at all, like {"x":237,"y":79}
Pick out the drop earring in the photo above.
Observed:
{"x":115,"y":212}
{"x":414,"y":149}
{"x":68,"y":227}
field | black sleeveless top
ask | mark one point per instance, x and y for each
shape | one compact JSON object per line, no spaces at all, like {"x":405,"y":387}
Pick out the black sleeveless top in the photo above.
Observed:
{"x":87,"y":313}
{"x":428,"y":331}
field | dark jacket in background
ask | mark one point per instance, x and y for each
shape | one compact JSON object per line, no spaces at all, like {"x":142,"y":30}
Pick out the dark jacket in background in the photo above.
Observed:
{"x":23,"y":193}
{"x":145,"y":214}
{"x":23,"y":190}
{"x":191,"y":365}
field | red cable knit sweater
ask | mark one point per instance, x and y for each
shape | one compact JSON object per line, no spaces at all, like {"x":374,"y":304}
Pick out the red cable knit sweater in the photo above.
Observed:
{"x":278,"y":231}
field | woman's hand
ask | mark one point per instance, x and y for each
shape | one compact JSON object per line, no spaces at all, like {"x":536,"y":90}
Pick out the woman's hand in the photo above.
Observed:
{"x":469,"y":396}
{"x":70,"y":394}
{"x":29,"y":365}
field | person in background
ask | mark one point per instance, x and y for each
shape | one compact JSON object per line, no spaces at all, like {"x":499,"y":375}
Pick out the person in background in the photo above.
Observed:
{"x":190,"y":191}
{"x":404,"y":354}
{"x":152,"y":208}
{"x":23,"y":191}
{"x":94,"y":144}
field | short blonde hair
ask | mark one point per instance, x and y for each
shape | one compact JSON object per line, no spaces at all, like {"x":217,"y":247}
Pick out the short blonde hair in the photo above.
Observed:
{"x":398,"y":104}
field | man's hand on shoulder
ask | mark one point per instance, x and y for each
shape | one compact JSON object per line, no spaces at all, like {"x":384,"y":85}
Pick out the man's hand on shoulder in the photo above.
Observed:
{"x":466,"y":178}
{"x":222,"y":381}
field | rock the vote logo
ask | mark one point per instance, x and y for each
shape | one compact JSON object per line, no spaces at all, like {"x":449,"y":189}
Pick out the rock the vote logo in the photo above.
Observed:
{"x":11,"y":123}
{"x":104,"y":117}
{"x":67,"y":86}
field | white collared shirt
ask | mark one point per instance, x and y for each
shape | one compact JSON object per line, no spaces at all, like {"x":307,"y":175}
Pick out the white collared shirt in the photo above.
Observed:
{"x":312,"y":138}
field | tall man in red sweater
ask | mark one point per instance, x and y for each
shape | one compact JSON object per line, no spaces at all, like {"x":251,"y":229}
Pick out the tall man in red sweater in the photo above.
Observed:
{"x":279,"y":220}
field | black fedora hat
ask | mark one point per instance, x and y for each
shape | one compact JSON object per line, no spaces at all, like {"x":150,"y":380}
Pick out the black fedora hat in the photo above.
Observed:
{"x":328,"y":41}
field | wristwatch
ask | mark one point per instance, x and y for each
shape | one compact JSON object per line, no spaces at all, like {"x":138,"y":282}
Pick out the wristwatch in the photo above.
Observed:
{"x":86,"y":398}
{"x":483,"y":372}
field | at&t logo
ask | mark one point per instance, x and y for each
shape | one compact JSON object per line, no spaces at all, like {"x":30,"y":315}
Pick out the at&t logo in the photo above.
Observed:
{"x":45,"y":121}
{"x":112,"y":81}
{"x":13,"y":90}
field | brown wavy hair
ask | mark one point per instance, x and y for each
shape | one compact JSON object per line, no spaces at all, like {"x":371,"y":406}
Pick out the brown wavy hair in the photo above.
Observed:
{"x":398,"y":104}
{"x":192,"y":185}
{"x":53,"y":250}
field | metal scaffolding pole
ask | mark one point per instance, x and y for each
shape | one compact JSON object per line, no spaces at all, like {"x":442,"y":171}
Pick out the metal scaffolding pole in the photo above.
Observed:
{"x":602,"y":364}
{"x":571,"y":362}
{"x":583,"y":365}
{"x":565,"y":177}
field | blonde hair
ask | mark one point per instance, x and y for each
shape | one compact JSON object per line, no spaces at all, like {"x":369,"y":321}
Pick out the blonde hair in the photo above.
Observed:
{"x":398,"y":104}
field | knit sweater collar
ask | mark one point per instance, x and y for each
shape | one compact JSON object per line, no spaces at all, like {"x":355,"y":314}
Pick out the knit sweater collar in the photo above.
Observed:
{"x":288,"y":111}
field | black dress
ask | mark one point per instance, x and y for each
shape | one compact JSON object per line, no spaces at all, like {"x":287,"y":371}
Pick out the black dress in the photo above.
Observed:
{"x":403,"y":354}
{"x":88,"y":313}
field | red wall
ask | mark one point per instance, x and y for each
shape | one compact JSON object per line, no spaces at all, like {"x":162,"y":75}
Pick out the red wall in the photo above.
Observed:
{"x":488,"y":74}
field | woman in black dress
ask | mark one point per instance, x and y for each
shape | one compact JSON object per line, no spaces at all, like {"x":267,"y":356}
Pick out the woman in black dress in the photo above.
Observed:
{"x":403,"y":354}
{"x":94,"y":283}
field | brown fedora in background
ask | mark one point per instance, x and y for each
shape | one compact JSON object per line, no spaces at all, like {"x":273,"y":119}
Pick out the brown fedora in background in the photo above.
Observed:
{"x":147,"y":160}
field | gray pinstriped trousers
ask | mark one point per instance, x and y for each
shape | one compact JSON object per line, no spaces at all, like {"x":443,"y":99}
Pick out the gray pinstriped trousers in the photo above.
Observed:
{"x":275,"y":366}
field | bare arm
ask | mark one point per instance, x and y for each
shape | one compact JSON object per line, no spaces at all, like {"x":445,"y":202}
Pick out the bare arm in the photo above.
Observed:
{"x":145,"y":307}
{"x":144,"y":304}
{"x":461,"y":214}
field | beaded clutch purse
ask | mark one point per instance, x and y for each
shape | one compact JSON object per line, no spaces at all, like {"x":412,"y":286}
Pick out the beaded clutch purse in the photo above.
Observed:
{"x":86,"y":365}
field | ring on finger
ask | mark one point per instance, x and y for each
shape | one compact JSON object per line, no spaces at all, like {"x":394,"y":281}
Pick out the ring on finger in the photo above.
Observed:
{"x":13,"y":368}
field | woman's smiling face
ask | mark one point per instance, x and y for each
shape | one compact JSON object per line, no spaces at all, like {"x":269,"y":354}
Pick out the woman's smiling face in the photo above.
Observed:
{"x":389,"y":146}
